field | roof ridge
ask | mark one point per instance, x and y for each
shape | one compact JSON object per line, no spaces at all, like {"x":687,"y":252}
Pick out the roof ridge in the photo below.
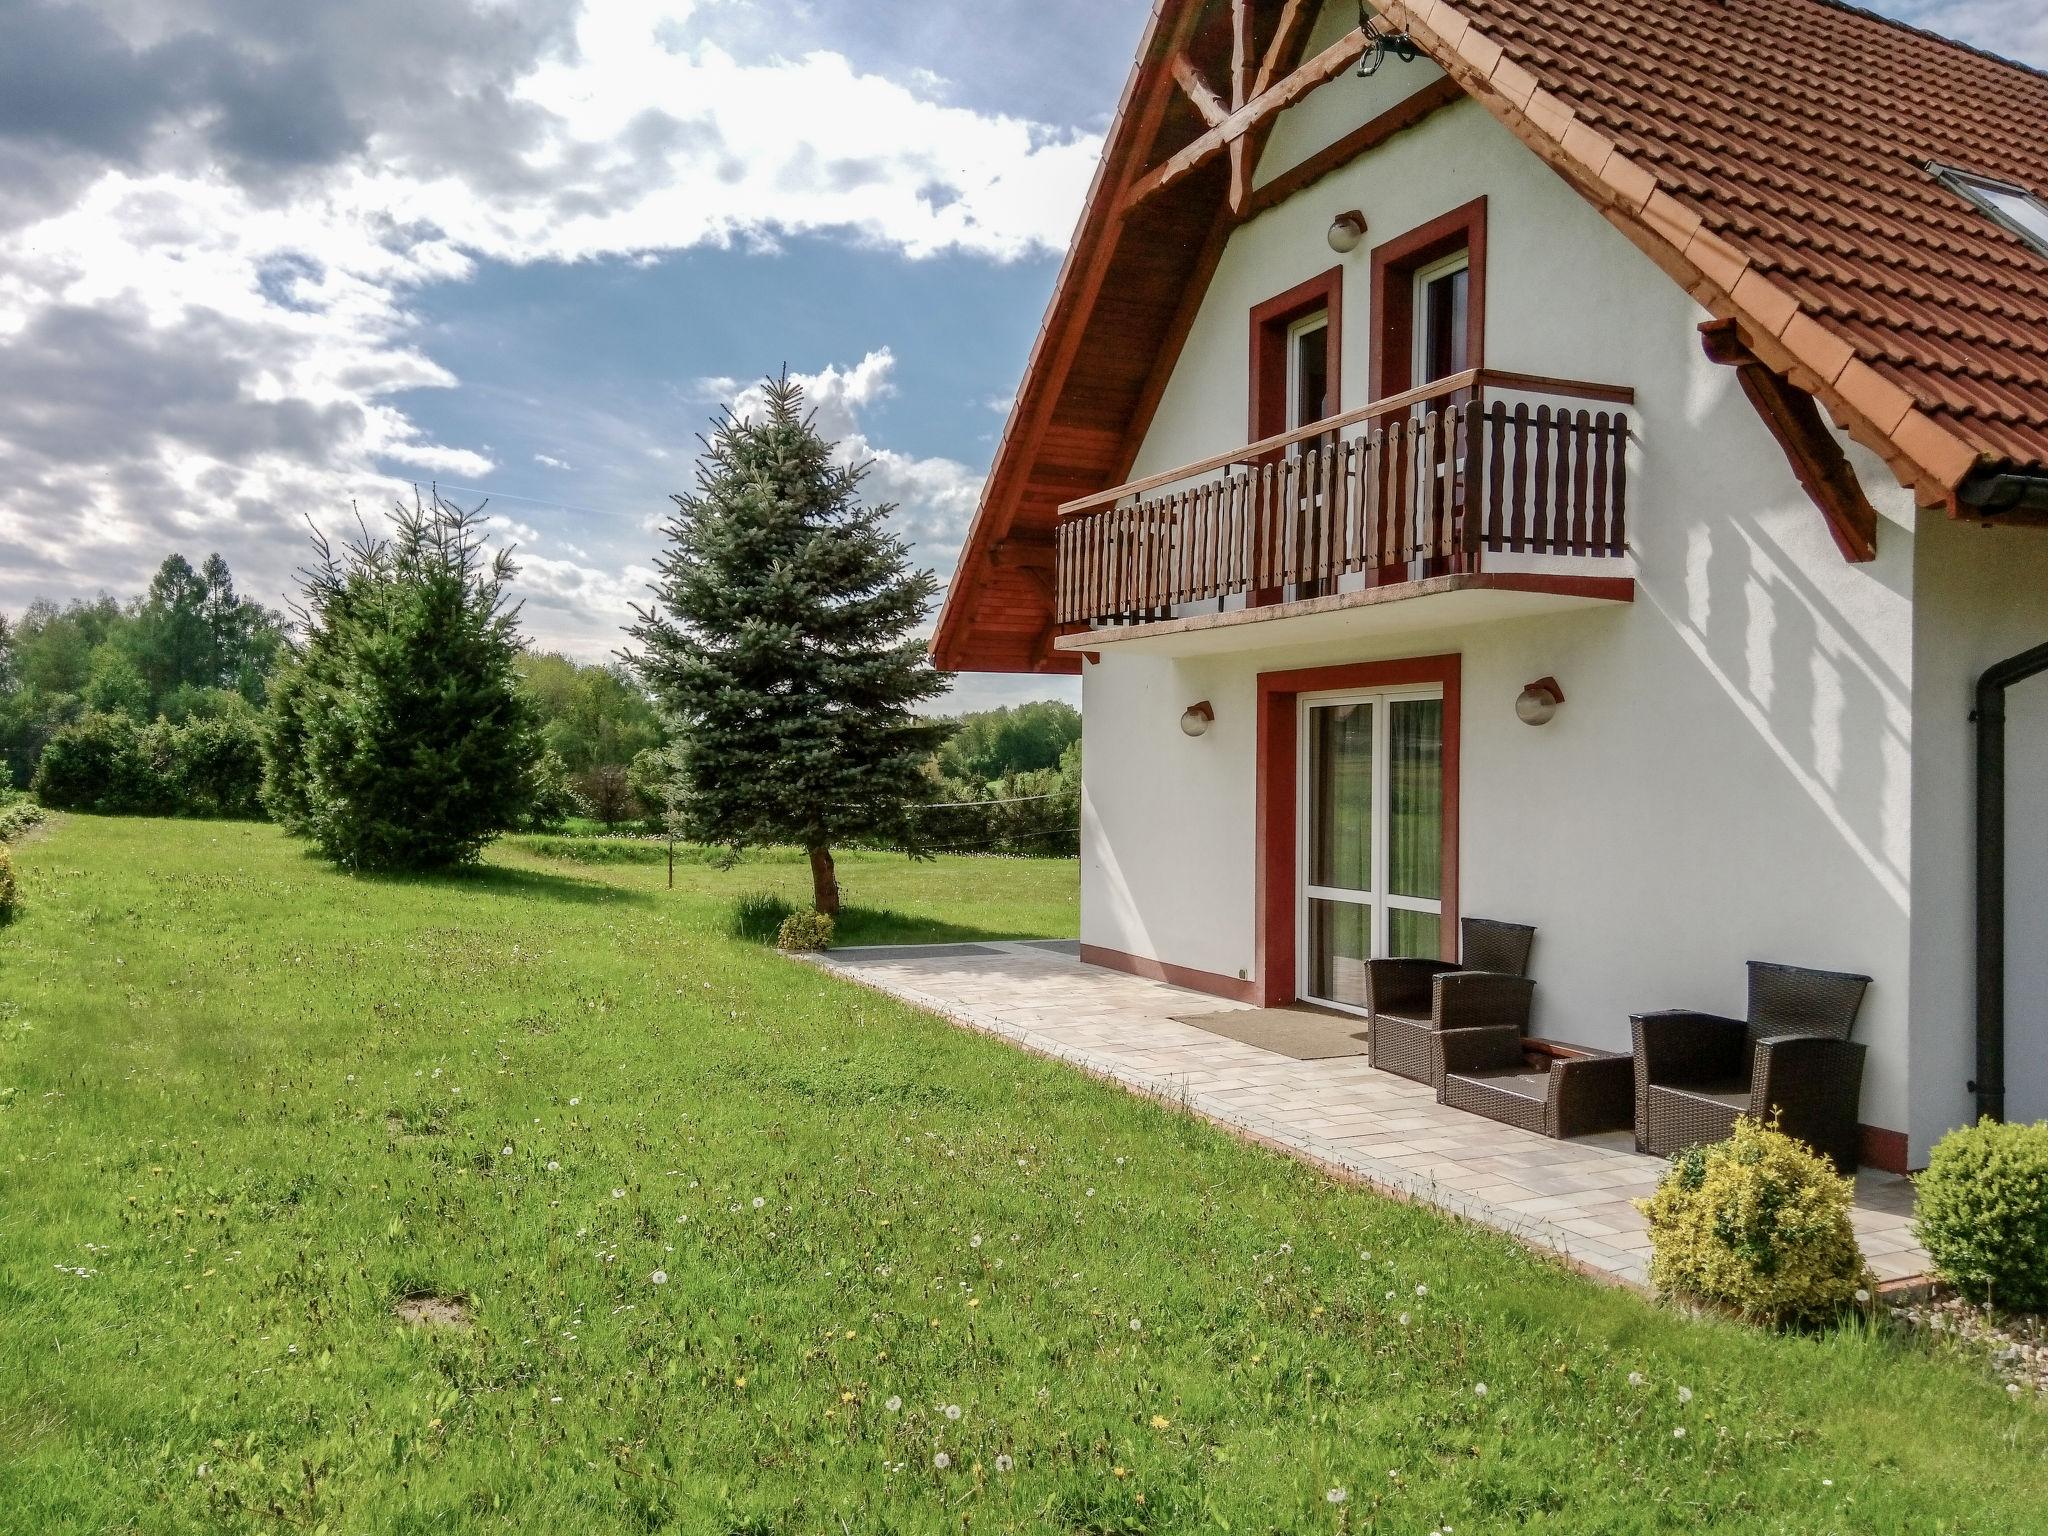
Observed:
{"x":1951,"y":42}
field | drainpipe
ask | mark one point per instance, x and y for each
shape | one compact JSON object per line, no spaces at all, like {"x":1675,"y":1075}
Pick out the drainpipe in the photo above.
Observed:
{"x":1990,"y":717}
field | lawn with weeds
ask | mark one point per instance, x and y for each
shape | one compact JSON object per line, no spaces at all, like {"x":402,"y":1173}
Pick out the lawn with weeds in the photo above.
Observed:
{"x":526,"y":1199}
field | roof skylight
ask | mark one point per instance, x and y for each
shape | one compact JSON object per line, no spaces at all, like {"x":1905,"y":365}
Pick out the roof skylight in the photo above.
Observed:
{"x":2014,"y":207}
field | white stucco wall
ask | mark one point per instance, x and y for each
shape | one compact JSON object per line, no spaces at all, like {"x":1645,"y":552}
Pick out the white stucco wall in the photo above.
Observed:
{"x":1731,"y":776}
{"x":1981,"y":595}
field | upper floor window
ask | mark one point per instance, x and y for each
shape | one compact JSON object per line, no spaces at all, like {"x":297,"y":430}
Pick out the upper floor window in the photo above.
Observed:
{"x":2013,"y":206}
{"x":1308,"y":371}
{"x":1442,"y":318}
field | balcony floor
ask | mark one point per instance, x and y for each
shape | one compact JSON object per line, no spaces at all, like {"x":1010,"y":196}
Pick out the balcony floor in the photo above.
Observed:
{"x":1435,"y":602}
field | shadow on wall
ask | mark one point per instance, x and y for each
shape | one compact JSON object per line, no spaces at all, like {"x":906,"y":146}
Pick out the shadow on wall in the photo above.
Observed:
{"x":1827,"y":703}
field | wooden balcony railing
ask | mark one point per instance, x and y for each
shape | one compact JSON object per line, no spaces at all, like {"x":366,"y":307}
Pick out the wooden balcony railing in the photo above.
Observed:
{"x":1418,"y":484}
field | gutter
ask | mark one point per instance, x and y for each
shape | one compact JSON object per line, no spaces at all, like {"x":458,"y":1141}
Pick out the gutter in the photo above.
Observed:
{"x":1989,"y":716}
{"x":1990,"y":493}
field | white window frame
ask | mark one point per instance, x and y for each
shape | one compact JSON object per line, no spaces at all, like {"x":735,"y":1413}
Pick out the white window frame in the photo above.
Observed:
{"x":1316,"y":320}
{"x":1982,"y":192}
{"x":1382,"y":700}
{"x":1418,"y":341}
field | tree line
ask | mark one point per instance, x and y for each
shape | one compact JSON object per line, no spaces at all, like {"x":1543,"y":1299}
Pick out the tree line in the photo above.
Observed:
{"x":191,"y":699}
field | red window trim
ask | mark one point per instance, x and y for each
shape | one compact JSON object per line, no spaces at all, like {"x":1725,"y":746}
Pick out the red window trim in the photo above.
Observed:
{"x":1394,"y":265}
{"x":1278,"y":779}
{"x":1269,"y":361}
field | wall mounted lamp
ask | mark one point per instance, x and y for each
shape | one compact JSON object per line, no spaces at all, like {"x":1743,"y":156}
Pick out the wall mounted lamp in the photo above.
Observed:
{"x":1538,"y":702}
{"x":1346,"y":230}
{"x":1197,"y":718}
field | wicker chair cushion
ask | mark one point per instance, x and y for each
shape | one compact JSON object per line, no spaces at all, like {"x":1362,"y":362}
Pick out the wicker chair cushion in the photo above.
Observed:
{"x":1533,"y":1085}
{"x":1728,"y":1094}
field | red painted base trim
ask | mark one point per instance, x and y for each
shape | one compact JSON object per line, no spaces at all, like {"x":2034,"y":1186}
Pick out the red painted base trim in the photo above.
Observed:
{"x":1178,"y":975}
{"x":1877,"y":1147}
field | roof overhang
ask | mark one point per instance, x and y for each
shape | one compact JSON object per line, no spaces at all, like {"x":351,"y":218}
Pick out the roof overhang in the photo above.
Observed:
{"x":1153,"y":259}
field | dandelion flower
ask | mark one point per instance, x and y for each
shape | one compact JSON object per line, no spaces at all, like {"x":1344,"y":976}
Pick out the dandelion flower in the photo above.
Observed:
{"x":1335,"y":1496}
{"x":1161,"y":1421}
{"x":893,"y":1404}
{"x":1004,"y":1463}
{"x":942,"y":1461}
{"x":659,"y":1277}
{"x":953,"y":1411}
{"x":1119,"y":1471}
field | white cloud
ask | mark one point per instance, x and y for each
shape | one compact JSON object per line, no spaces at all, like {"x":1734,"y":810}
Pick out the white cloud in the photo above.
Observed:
{"x":256,"y":253}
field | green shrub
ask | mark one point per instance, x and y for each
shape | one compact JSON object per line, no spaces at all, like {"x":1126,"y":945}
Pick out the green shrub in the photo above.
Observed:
{"x":107,"y":764}
{"x":1982,"y":1213}
{"x":10,"y":893}
{"x":1758,"y":1222}
{"x":757,"y":916}
{"x":17,"y":816}
{"x":804,"y":932}
{"x":214,"y":765}
{"x":114,"y":766}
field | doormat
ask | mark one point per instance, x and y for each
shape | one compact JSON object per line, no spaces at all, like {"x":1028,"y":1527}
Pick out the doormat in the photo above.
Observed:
{"x":1305,"y":1034}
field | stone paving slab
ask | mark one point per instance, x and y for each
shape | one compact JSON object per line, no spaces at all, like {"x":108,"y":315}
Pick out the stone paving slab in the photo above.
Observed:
{"x":1568,"y":1198}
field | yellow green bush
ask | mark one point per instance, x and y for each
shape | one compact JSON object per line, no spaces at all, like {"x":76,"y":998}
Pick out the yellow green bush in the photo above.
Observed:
{"x":805,"y":931}
{"x":10,"y":893}
{"x":1981,"y":1212}
{"x":1760,"y":1223}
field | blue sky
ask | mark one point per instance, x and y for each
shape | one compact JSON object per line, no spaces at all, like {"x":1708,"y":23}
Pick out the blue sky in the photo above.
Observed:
{"x":260,"y":262}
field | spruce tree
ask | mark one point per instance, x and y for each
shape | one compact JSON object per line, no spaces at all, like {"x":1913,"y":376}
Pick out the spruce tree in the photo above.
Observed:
{"x":782,"y":642}
{"x":401,"y":739}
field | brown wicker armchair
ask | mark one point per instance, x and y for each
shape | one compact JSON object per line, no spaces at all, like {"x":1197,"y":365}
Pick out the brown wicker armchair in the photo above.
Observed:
{"x":1409,"y":1000}
{"x":1792,"y":1059}
{"x":1486,"y":1072}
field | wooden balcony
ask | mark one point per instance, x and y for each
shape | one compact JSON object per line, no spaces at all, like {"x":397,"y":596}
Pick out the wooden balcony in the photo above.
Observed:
{"x":1404,"y":491}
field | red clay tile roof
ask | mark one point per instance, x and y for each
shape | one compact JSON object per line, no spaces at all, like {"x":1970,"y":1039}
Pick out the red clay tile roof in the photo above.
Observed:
{"x":1770,"y":155}
{"x":1799,"y":132}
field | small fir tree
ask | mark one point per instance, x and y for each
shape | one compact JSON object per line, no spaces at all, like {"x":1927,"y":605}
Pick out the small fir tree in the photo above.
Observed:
{"x":781,"y":640}
{"x":402,"y":740}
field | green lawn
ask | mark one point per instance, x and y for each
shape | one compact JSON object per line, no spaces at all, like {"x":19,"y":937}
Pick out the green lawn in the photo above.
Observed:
{"x":247,"y":1104}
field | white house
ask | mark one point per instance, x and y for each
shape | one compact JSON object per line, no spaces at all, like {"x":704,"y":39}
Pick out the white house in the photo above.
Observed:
{"x":1686,"y":359}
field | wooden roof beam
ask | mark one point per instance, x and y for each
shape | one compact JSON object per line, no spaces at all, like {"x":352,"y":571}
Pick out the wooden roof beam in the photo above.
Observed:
{"x":1817,"y":460}
{"x":1294,"y":19}
{"x":1198,"y":90}
{"x":1266,"y":104}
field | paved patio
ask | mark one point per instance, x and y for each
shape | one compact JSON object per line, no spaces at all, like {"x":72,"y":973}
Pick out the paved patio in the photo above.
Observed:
{"x":1568,"y":1197}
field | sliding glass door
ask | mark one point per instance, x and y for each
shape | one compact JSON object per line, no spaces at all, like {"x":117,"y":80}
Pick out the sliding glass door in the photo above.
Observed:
{"x":1371,"y":801}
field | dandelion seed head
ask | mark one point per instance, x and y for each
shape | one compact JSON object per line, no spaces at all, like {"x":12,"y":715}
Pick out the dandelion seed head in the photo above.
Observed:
{"x":942,"y":1461}
{"x":953,"y":1411}
{"x":893,"y":1404}
{"x":1004,"y":1463}
{"x":659,"y":1277}
{"x":1335,"y":1496}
